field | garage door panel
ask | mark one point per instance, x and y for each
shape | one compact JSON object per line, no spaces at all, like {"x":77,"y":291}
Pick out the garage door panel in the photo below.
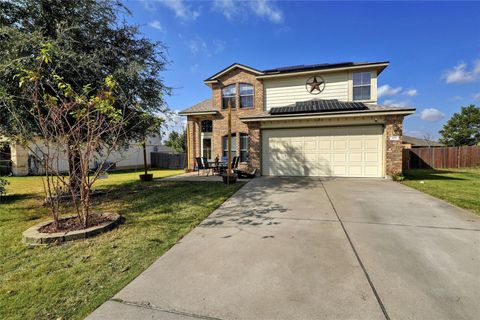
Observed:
{"x":355,"y":171}
{"x":355,"y":157}
{"x":310,"y":145}
{"x":340,"y":144}
{"x":372,"y":143}
{"x":339,"y":157}
{"x":324,"y":145}
{"x":354,"y":151}
{"x":372,"y":157}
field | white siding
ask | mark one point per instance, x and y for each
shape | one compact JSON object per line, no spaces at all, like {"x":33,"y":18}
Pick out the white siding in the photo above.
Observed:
{"x":284,"y":91}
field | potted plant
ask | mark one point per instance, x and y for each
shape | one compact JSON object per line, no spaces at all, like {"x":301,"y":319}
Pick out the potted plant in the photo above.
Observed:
{"x":227,"y":179}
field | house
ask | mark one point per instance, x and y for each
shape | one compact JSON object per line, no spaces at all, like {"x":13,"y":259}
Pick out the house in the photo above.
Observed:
{"x":24,"y":161}
{"x":307,"y":120}
{"x":412,"y":142}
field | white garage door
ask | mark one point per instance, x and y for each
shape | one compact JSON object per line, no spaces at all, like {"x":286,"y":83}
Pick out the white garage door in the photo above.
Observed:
{"x":354,"y":151}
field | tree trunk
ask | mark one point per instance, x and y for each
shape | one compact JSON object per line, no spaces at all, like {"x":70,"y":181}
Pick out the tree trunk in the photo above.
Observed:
{"x":74,"y":170}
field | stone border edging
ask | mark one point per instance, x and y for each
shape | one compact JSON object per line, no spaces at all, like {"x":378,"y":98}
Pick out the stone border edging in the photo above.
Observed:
{"x":35,"y":237}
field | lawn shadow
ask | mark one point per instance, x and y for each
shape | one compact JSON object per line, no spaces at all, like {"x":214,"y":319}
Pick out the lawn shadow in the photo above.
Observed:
{"x":11,"y":198}
{"x":431,"y":174}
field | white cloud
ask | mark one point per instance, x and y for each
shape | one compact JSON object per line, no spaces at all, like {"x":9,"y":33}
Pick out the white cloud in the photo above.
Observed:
{"x":197,"y":45}
{"x":386,"y":90}
{"x":264,"y":8}
{"x":396,"y":103}
{"x":194,"y":68}
{"x":476,"y":96}
{"x":228,"y":7}
{"x":432,"y":115}
{"x":181,"y":9}
{"x":240,"y":9}
{"x":155,"y":24}
{"x":456,"y":98}
{"x":461,"y":74}
{"x":411,"y":92}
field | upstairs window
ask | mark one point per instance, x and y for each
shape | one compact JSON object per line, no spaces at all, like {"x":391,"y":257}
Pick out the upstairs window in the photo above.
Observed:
{"x":228,"y":95}
{"x":206,"y":126}
{"x":246,"y":95}
{"x":361,"y":85}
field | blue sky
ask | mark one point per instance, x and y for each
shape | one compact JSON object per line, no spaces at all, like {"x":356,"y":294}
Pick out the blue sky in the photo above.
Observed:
{"x":433,"y":48}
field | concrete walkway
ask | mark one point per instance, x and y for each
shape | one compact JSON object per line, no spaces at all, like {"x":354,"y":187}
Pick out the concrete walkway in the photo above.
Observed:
{"x":299,"y":248}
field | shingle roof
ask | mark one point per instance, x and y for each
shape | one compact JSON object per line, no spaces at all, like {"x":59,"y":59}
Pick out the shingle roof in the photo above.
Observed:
{"x":204,"y":106}
{"x":318,"y":105}
{"x":307,"y":67}
{"x":299,"y":68}
{"x":359,"y":108}
{"x":421,"y":142}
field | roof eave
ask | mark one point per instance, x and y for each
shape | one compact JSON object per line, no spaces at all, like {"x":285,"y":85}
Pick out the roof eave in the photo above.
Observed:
{"x":197,"y":113}
{"x":301,"y":116}
{"x":380,"y":66}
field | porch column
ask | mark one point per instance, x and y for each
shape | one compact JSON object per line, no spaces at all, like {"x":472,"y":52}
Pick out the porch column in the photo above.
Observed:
{"x":255,"y":145}
{"x":193,"y":142}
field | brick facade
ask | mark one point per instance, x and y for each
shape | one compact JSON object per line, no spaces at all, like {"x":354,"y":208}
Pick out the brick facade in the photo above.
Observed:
{"x":394,"y":148}
{"x":220,"y":125}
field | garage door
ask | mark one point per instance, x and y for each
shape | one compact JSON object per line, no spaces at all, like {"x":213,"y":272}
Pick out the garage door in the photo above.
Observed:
{"x":354,"y":151}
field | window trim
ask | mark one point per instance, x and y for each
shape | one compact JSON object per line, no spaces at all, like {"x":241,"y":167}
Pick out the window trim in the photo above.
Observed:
{"x":362,"y":85}
{"x":253,"y":96}
{"x":234,"y":96}
{"x":234,"y":145}
{"x":211,"y":126}
{"x":247,"y":150}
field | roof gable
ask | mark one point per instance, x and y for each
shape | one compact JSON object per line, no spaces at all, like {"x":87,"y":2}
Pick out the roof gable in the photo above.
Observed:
{"x":233,"y":66}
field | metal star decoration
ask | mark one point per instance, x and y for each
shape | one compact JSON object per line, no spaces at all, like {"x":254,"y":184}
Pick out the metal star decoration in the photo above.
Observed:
{"x":315,"y":86}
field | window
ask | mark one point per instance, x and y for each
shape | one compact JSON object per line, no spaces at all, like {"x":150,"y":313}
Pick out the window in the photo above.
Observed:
{"x":225,"y":145}
{"x":206,"y":125}
{"x":243,"y":147}
{"x":207,"y":148}
{"x":246,"y":95}
{"x":361,"y":86}
{"x":228,"y":95}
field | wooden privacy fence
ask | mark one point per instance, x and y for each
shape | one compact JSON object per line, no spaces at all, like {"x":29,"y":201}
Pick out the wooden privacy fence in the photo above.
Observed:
{"x":441,"y":157}
{"x":163,"y":160}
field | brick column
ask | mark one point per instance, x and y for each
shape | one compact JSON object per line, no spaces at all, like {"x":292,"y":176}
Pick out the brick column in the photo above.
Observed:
{"x":19,"y":157}
{"x":194,"y":142}
{"x":255,"y":146}
{"x":394,"y":152}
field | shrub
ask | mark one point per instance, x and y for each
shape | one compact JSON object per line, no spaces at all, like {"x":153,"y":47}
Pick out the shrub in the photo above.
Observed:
{"x":3,"y":185}
{"x":398,"y":177}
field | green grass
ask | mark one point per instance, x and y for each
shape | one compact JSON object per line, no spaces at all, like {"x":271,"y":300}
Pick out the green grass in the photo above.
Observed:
{"x":460,"y":187}
{"x":72,"y":279}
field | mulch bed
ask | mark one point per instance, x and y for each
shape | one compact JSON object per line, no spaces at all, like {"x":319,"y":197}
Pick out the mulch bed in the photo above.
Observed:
{"x":73,"y":224}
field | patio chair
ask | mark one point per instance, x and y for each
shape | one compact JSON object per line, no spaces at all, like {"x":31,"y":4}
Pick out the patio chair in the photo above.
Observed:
{"x":206,"y":165}
{"x":235,"y":162}
{"x":201,"y":165}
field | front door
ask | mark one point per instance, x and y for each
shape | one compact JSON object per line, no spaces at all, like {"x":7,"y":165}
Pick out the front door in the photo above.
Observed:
{"x":207,"y":148}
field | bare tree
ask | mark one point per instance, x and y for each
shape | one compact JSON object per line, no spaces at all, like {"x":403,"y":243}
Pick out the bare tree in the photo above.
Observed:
{"x":72,"y":123}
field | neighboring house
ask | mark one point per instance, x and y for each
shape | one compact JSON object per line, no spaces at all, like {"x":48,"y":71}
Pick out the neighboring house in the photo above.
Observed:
{"x":27,"y":161}
{"x":315,"y":120}
{"x":412,"y":142}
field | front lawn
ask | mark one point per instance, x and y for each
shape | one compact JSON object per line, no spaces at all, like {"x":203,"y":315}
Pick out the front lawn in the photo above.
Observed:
{"x":70,"y":280}
{"x":460,"y":187}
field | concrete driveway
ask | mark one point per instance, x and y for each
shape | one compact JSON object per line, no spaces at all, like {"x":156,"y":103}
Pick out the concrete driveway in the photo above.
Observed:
{"x":300,"y":248}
